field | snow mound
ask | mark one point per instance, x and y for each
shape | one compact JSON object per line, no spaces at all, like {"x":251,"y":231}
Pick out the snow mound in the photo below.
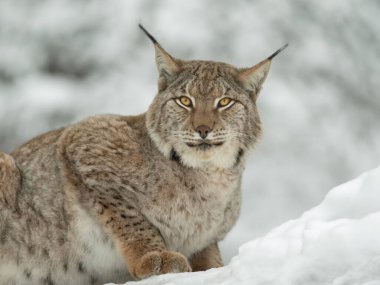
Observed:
{"x":337,"y":242}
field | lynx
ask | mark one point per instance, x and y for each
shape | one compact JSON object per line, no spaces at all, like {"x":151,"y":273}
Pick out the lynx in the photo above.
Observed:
{"x":115,"y":198}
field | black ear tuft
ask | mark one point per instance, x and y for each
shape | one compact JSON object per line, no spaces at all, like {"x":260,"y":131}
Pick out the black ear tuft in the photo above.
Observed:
{"x":148,"y":34}
{"x":166,"y":64}
{"x":277,"y":52}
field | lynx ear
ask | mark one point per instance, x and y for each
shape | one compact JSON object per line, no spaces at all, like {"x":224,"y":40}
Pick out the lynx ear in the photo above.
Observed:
{"x":167,"y":65}
{"x":252,"y":78}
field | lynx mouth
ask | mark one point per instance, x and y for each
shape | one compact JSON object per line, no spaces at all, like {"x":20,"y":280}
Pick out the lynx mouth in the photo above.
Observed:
{"x":204,"y":145}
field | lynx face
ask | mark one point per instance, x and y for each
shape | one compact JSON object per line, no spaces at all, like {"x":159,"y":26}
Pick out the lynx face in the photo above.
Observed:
{"x":205,"y":115}
{"x":205,"y":112}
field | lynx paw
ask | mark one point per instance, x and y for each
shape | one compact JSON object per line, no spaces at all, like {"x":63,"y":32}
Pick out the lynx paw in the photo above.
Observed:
{"x":155,"y":262}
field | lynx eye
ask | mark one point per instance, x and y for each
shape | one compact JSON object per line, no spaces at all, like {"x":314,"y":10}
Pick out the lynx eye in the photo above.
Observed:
{"x":224,"y":102}
{"x":185,"y":101}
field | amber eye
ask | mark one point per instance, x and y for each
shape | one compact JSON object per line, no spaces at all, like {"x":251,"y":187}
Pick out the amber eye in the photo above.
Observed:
{"x":224,"y":102}
{"x":185,"y":101}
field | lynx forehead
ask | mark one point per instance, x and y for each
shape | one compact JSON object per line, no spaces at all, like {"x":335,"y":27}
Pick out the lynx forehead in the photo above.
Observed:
{"x":118,"y":197}
{"x":205,"y":112}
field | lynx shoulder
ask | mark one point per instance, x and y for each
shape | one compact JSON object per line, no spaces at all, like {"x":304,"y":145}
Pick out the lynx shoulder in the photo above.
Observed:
{"x":114,"y":198}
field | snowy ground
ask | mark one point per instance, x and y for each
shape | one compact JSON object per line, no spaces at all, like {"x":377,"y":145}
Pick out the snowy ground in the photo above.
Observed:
{"x":337,"y":243}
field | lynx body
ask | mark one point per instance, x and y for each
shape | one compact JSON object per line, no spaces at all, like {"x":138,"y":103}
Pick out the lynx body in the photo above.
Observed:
{"x":113,"y":198}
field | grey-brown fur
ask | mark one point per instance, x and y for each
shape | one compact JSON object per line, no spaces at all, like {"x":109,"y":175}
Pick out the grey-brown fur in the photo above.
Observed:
{"x":115,"y":197}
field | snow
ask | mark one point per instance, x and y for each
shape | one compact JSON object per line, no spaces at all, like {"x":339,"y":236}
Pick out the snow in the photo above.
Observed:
{"x":337,"y":242}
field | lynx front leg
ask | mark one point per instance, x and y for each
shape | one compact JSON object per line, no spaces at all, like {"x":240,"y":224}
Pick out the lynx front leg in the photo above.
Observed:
{"x":207,"y":258}
{"x":140,"y":242}
{"x":10,"y":180}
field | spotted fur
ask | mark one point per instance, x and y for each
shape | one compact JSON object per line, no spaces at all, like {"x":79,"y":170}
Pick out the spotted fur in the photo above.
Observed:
{"x":115,"y":197}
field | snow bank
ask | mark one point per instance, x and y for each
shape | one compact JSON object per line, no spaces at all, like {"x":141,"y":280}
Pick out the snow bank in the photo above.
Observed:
{"x":337,"y":242}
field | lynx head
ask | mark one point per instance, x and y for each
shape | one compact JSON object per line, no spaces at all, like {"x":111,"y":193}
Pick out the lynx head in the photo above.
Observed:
{"x":205,"y":112}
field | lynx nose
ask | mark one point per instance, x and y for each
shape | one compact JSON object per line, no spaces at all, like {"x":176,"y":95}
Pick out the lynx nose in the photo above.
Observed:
{"x":203,"y":131}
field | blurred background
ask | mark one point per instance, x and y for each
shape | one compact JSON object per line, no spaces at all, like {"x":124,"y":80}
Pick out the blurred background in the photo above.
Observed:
{"x":64,"y":60}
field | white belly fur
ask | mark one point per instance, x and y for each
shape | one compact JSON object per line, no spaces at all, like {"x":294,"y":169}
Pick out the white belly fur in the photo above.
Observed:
{"x":98,"y":252}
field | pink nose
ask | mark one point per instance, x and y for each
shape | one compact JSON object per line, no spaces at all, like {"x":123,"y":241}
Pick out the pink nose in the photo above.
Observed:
{"x":203,"y":131}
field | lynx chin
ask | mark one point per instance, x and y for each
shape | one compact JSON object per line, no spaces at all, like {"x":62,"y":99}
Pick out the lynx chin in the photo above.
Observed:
{"x":114,"y":198}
